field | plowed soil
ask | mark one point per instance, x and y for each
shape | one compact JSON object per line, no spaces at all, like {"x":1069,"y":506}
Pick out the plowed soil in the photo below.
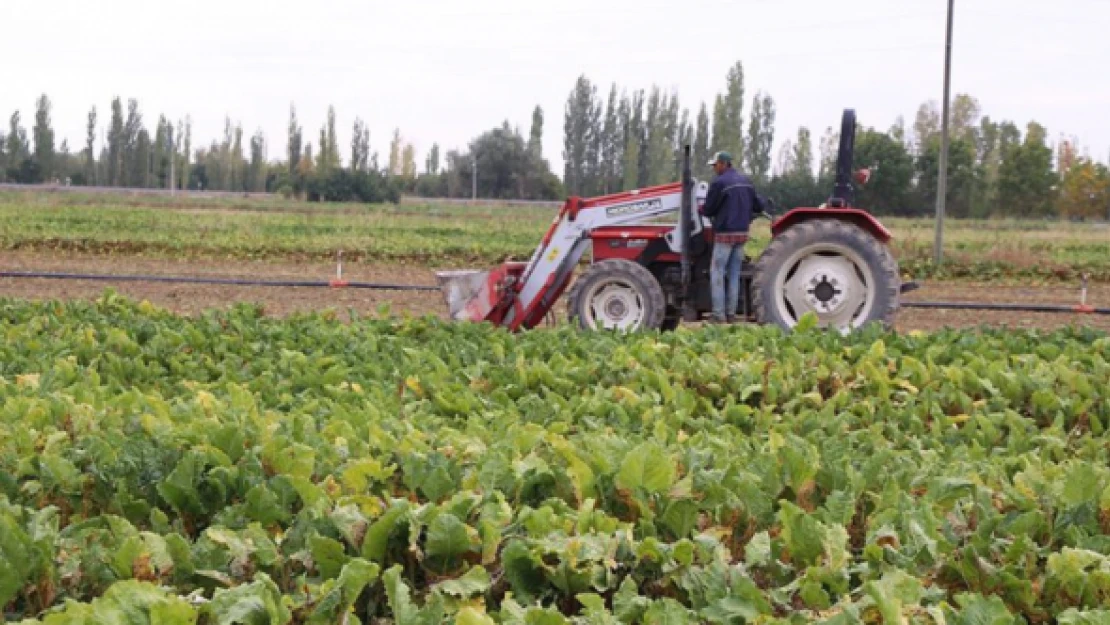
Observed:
{"x":280,"y":301}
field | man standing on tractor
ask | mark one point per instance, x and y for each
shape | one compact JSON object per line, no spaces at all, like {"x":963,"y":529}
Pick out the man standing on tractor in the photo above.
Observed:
{"x":730,"y":203}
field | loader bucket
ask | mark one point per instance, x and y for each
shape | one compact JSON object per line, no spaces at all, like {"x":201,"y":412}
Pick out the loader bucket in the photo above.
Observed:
{"x":478,"y":295}
{"x":465,"y":293}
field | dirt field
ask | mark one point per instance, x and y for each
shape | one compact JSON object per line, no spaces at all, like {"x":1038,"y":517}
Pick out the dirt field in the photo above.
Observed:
{"x":280,"y":301}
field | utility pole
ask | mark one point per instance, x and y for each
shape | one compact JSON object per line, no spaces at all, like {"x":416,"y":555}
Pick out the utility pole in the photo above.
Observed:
{"x":474,"y":178}
{"x":942,"y":175}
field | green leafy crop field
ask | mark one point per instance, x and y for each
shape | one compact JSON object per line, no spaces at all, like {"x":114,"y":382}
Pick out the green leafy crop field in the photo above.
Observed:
{"x":232,"y":468}
{"x":184,"y":227}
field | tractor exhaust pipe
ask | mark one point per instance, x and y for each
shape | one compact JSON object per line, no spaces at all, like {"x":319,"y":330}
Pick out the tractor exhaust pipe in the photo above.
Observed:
{"x":843,"y":193}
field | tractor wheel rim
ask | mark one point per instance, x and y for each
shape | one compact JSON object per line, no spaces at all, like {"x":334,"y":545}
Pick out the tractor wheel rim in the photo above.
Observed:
{"x":832,"y":281}
{"x":614,"y":304}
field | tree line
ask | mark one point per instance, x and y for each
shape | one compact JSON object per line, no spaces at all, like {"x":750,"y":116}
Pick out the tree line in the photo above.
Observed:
{"x":632,"y":139}
{"x":132,"y":156}
{"x":625,"y":140}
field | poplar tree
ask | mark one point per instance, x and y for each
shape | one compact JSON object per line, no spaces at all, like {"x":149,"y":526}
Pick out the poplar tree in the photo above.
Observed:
{"x":761,"y":138}
{"x":728,"y":112}
{"x":294,"y":144}
{"x":580,"y":140}
{"x":90,"y":147}
{"x":701,"y":138}
{"x":44,"y":139}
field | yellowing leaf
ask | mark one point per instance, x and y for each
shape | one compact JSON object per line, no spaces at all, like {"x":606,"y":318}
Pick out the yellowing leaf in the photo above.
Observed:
{"x":776,"y":442}
{"x":473,"y":616}
{"x":905,"y":384}
{"x":647,"y":467}
{"x":622,"y":393}
{"x":413,"y":384}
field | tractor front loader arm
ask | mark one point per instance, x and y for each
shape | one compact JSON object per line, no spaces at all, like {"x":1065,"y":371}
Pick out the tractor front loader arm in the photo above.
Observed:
{"x":520,"y":295}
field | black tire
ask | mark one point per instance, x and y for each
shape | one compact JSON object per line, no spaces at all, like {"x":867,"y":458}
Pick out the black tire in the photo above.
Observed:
{"x":879,"y":273}
{"x":637,"y":281}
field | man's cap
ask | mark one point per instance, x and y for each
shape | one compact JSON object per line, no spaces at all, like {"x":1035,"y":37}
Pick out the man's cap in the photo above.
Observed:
{"x":720,"y":157}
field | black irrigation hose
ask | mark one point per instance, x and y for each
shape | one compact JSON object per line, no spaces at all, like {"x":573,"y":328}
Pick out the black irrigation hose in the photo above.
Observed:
{"x":230,"y":281}
{"x":1017,"y":307}
{"x":1046,"y":308}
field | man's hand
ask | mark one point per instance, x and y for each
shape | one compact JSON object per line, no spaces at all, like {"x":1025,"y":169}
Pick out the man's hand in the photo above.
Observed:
{"x":764,"y":208}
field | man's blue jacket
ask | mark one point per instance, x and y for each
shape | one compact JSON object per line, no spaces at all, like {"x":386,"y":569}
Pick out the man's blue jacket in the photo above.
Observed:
{"x":731,"y":201}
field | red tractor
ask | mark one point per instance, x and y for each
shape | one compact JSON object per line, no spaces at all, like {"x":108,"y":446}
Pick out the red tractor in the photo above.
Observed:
{"x":832,"y":261}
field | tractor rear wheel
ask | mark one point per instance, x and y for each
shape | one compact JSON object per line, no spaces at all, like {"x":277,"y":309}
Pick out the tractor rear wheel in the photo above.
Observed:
{"x":832,"y":268}
{"x":617,"y":294}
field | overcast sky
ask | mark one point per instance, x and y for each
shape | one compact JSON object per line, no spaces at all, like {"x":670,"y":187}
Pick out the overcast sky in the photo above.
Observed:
{"x":446,"y":70}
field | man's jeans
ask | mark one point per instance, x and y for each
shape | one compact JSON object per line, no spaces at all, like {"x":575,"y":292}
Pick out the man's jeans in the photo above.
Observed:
{"x":725,"y":266}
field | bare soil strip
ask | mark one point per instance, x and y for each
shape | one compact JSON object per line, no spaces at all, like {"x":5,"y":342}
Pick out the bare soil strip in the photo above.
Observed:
{"x":281,"y":301}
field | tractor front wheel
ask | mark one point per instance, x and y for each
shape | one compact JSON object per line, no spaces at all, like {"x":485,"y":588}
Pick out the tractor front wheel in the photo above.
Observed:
{"x":829,"y":267}
{"x":617,"y":295}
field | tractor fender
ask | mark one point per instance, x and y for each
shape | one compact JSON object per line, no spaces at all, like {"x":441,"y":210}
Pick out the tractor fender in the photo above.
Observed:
{"x":854,"y":216}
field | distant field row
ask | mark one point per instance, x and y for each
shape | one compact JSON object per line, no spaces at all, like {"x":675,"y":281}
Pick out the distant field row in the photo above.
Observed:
{"x":459,"y":235}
